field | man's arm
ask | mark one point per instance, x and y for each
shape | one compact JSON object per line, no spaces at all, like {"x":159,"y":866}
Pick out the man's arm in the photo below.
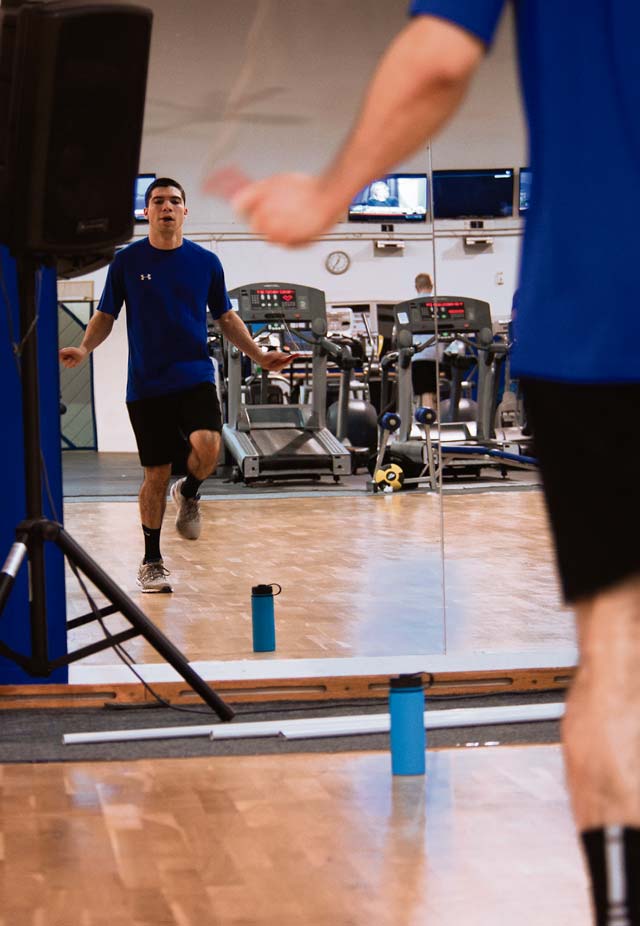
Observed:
{"x":418,"y":84}
{"x":98,"y":329}
{"x":235,"y":330}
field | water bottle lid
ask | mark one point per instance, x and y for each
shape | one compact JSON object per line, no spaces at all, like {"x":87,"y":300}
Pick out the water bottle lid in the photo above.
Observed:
{"x":262,"y":590}
{"x":407,"y":681}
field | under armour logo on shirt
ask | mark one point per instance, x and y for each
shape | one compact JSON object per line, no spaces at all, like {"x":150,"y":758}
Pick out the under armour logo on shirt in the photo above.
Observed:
{"x":145,"y":276}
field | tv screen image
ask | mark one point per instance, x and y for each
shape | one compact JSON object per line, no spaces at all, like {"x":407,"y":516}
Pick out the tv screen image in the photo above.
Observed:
{"x":462,"y":194}
{"x":524,"y":191}
{"x":139,"y":189}
{"x":393,"y":198}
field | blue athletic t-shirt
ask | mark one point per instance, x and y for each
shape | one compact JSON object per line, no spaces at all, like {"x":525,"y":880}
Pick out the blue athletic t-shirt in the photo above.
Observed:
{"x":578,"y":315}
{"x":166,"y":294}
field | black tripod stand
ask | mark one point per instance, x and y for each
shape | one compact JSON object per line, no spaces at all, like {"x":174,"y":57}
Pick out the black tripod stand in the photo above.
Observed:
{"x":36,"y":530}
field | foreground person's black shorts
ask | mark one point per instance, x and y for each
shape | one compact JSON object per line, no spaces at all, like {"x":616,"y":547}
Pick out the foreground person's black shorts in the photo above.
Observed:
{"x":587,"y":441}
{"x":161,"y":424}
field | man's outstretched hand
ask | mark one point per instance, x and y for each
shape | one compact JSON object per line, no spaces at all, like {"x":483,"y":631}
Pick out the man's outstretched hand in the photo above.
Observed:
{"x":276,"y":360}
{"x":290,"y":209}
{"x":72,"y":356}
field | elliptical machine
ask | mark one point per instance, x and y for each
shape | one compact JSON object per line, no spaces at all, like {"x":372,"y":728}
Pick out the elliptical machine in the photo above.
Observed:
{"x":353,"y":420}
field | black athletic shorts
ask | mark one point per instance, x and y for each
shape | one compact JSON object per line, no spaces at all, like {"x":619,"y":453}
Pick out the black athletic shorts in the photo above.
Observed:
{"x":163,"y":423}
{"x":587,"y":441}
{"x":424,"y":376}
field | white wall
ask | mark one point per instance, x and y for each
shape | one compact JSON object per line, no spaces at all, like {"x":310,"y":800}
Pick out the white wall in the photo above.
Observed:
{"x":459,"y":269}
{"x":109,"y":386}
{"x":272,"y":85}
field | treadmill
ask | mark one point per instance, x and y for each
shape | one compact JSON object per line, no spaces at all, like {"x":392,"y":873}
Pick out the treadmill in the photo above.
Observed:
{"x":272,"y":442}
{"x":463,"y":445}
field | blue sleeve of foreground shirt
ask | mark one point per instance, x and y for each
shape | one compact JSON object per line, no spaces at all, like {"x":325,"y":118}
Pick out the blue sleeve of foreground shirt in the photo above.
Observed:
{"x":113,"y":292}
{"x":479,"y":17}
{"x":218,"y":298}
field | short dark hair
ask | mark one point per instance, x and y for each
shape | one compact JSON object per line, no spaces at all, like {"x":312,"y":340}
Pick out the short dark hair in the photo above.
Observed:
{"x":424,"y":281}
{"x":163,"y":181}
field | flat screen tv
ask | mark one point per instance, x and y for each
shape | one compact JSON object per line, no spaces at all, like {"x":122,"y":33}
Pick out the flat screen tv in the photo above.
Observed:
{"x":482,"y":194}
{"x":140,"y":188}
{"x":524,"y":190}
{"x":392,"y":198}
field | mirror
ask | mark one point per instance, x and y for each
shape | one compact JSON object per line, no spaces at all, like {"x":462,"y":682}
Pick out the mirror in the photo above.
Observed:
{"x":503,"y":604}
{"x":261,"y":86}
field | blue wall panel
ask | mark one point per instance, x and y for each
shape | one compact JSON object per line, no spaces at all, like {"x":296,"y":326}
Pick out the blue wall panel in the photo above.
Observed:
{"x":14,"y":621}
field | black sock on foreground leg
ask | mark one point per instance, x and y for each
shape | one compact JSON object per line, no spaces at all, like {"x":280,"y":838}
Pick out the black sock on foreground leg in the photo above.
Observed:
{"x":613,"y":857}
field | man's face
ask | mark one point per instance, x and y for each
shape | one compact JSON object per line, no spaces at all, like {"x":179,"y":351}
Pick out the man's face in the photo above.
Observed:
{"x":166,"y":210}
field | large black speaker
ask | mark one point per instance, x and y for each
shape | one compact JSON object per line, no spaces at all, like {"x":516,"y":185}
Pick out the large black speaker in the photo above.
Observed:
{"x":74,"y":75}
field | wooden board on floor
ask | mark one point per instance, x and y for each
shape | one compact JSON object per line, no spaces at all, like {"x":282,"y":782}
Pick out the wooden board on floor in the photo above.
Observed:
{"x":445,"y":684}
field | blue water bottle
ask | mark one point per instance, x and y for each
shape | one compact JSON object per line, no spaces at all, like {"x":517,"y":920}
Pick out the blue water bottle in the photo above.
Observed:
{"x":408,"y":736}
{"x":262,"y":617}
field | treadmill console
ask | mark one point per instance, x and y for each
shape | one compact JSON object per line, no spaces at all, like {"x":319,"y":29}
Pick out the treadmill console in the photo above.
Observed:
{"x":272,"y":302}
{"x":451,"y":315}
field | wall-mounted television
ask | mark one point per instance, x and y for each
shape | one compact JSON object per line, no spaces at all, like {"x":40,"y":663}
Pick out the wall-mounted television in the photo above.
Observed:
{"x":524,"y":190}
{"x":392,"y":198}
{"x":463,"y":194}
{"x":140,"y":188}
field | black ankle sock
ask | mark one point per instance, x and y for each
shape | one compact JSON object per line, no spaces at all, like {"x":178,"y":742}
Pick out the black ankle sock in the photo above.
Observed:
{"x":151,"y":544}
{"x":613,"y":856}
{"x":190,"y":486}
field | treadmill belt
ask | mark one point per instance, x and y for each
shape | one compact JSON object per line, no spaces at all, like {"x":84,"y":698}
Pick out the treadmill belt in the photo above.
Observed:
{"x":291,"y":443}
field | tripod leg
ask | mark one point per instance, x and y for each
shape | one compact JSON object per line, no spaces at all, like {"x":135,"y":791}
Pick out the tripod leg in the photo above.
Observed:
{"x":27,"y":267}
{"x":10,"y":570}
{"x":138,"y":619}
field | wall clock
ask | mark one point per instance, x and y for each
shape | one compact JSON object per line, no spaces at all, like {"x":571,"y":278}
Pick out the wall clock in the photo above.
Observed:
{"x":337,"y":262}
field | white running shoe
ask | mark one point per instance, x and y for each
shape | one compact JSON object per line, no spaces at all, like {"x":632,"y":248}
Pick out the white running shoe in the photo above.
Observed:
{"x":152,"y":577}
{"x":188,"y":521}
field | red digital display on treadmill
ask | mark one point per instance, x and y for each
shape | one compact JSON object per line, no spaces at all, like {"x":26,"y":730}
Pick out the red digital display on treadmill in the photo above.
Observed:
{"x":287,"y":294}
{"x":445,"y":305}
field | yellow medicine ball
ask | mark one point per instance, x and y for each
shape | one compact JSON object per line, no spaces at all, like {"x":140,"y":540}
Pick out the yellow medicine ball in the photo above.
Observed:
{"x":389,"y":476}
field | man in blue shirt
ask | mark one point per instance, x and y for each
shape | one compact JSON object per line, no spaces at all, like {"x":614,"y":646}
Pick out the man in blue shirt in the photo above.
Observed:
{"x":166,"y":283}
{"x":581,"y":89}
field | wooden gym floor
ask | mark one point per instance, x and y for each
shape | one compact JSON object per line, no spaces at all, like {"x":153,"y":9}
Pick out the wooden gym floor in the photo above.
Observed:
{"x":361,"y":575}
{"x":319,"y":840}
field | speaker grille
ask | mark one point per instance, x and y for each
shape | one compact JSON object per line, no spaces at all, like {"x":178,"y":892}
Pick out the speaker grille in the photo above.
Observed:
{"x":77,"y":106}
